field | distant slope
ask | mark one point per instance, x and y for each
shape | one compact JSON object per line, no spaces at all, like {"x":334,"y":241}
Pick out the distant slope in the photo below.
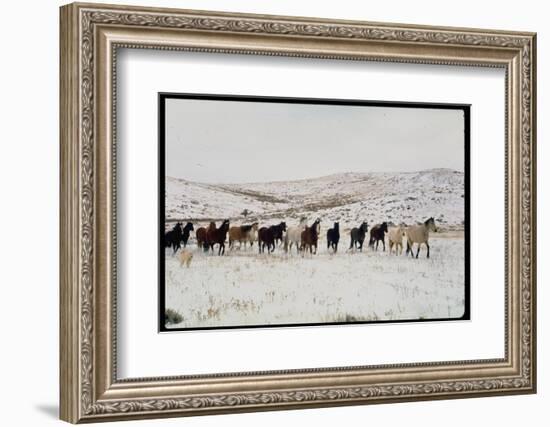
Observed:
{"x":349,"y":197}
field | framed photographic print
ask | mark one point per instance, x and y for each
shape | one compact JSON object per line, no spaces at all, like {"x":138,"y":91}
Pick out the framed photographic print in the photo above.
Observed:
{"x":266,"y":212}
{"x":306,"y":192}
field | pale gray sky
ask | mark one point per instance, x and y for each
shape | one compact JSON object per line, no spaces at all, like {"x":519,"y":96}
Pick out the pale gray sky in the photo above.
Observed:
{"x":237,"y":142}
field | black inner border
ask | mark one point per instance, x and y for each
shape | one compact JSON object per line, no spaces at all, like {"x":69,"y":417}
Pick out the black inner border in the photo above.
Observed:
{"x":163,"y":96}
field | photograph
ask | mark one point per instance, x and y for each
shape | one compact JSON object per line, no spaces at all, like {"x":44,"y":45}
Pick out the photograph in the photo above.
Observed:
{"x":296,"y":212}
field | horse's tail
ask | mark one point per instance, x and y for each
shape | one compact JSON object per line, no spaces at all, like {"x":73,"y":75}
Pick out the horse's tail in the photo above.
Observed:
{"x":371,"y":240}
{"x":286,"y":241}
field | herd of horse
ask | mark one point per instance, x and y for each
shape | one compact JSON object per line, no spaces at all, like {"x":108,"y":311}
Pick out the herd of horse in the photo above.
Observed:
{"x":303,"y":237}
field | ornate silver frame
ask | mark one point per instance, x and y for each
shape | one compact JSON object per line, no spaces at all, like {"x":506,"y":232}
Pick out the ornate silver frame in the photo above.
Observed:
{"x":90,"y":35}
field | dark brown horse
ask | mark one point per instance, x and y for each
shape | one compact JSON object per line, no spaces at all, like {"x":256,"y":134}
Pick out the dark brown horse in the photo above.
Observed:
{"x":202,"y":236}
{"x":266,"y":238}
{"x":216,"y":236}
{"x":310,"y":237}
{"x":377,"y":234}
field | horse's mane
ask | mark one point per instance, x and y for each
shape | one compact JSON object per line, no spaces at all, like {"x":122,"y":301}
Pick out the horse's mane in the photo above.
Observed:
{"x":315,"y":227}
{"x":246,"y":228}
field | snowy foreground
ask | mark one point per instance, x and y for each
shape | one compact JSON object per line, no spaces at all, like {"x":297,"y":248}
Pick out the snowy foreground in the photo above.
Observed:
{"x":244,"y":288}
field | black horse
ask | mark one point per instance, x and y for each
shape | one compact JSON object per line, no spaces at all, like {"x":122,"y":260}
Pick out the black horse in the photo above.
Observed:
{"x":268,"y":236}
{"x":173,"y":237}
{"x":185,"y":234}
{"x":333,"y":237}
{"x":278,"y":231}
{"x":358,"y":236}
{"x":377,"y":233}
{"x":177,"y":235}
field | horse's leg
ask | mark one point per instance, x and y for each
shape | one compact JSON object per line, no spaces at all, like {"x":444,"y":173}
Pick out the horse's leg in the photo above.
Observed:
{"x":428,"y":246}
{"x":335,"y":247}
{"x":418,"y":250}
{"x":384,"y":245}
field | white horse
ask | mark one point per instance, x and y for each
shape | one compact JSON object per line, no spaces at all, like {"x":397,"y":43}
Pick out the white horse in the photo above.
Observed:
{"x":420,"y":234}
{"x":294,"y":235}
{"x":395,"y":238}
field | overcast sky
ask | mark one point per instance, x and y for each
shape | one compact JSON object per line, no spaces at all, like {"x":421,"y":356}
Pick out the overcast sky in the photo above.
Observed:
{"x":238,"y":142}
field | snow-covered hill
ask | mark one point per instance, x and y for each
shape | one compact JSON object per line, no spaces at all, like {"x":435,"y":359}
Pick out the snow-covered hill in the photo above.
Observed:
{"x":407,"y":197}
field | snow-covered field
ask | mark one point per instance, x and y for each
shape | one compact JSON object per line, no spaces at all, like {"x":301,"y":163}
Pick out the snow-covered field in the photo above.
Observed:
{"x":245,"y":288}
